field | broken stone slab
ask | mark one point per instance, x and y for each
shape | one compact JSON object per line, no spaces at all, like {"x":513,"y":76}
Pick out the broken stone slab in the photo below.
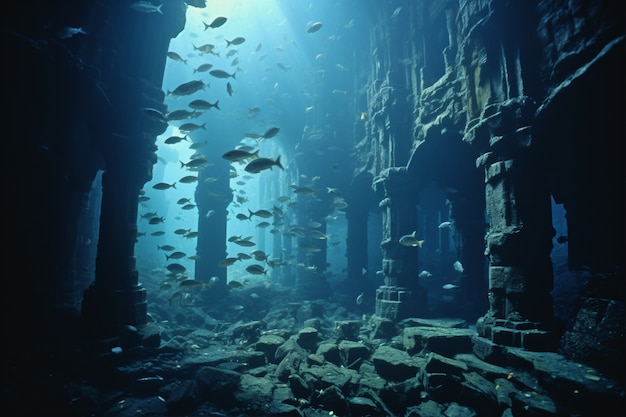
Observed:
{"x":395,"y":364}
{"x":268,"y":343}
{"x":307,"y":338}
{"x":353,"y":353}
{"x":445,"y":341}
{"x":254,"y":392}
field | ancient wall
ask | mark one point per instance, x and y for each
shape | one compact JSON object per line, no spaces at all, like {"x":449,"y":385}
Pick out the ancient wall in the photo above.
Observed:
{"x":505,"y":87}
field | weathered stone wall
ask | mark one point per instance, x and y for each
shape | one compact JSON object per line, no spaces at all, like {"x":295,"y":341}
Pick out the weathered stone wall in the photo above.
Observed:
{"x":528,"y":94}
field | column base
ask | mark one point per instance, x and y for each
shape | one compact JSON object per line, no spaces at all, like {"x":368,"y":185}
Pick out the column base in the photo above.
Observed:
{"x":395,"y":303}
{"x":524,"y":334}
{"x":105,"y":311}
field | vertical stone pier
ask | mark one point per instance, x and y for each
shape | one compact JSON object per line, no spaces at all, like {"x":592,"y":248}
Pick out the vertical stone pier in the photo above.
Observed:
{"x":401,"y":296}
{"x":519,"y":240}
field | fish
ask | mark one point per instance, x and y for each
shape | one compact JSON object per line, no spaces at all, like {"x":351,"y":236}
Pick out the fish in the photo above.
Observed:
{"x":359,"y":299}
{"x":188,"y":88}
{"x":271,"y":132}
{"x":67,"y":32}
{"x":154,"y":114}
{"x":449,"y":286}
{"x":302,"y":190}
{"x":203,"y":68}
{"x":244,"y":242}
{"x":188,"y":206}
{"x":458,"y":267}
{"x":218,"y":73}
{"x":146,"y":7}
{"x":411,"y":240}
{"x":235,"y":284}
{"x":190,"y":127}
{"x":188,"y":179}
{"x":194,"y":163}
{"x":191,"y":283}
{"x":176,"y":57}
{"x":561,"y":239}
{"x":445,"y":225}
{"x":229,"y":89}
{"x":166,"y":248}
{"x":181,"y":231}
{"x":425,"y":274}
{"x":175,"y":255}
{"x":156,"y":220}
{"x":200,"y":104}
{"x":236,"y":155}
{"x":259,"y":164}
{"x":164,"y":186}
{"x":183,"y":201}
{"x":260,"y":213}
{"x":241,"y":216}
{"x":314,"y":27}
{"x":157,"y":233}
{"x":175,"y":139}
{"x":176,"y":268}
{"x":217,"y":22}
{"x":256,"y":269}
{"x":226,"y":262}
{"x":207,"y":48}
{"x":178,"y":115}
{"x":363,"y":116}
{"x":237,"y":41}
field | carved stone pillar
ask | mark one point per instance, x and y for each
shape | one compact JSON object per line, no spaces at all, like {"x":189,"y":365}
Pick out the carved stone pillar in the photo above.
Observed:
{"x":520,"y":237}
{"x":400,"y":296}
{"x":116,"y":298}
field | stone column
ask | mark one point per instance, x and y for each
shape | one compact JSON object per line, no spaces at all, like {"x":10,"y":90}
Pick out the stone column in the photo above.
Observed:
{"x":116,"y":298}
{"x":519,"y":240}
{"x":400,"y":296}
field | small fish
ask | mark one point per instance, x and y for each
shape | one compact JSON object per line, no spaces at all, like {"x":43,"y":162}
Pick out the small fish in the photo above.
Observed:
{"x":176,"y":268}
{"x":194,"y":163}
{"x":176,"y":57}
{"x":154,"y":114}
{"x":235,"y":284}
{"x":259,"y":164}
{"x":175,"y":139}
{"x":200,"y":104}
{"x":445,"y":225}
{"x":188,"y":179}
{"x":425,"y":274}
{"x":191,"y":283}
{"x":244,"y":242}
{"x":411,"y":240}
{"x":67,"y":32}
{"x":188,"y":88}
{"x":229,"y":89}
{"x":203,"y":68}
{"x":188,"y":207}
{"x":314,"y":27}
{"x":156,"y":220}
{"x":237,"y":41}
{"x":266,"y":214}
{"x":146,"y":7}
{"x":218,"y":73}
{"x":363,"y":116}
{"x":458,"y":267}
{"x":226,"y":262}
{"x":217,"y":22}
{"x":164,"y":186}
{"x":175,"y":255}
{"x":359,"y":299}
{"x":178,"y":115}
{"x":271,"y":132}
{"x":190,"y":127}
{"x":166,"y":248}
{"x":256,"y":269}
{"x":450,"y":286}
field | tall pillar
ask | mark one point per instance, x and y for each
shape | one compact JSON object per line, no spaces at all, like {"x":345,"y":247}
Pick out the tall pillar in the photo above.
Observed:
{"x":520,"y":237}
{"x":116,"y":298}
{"x":401,"y":296}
